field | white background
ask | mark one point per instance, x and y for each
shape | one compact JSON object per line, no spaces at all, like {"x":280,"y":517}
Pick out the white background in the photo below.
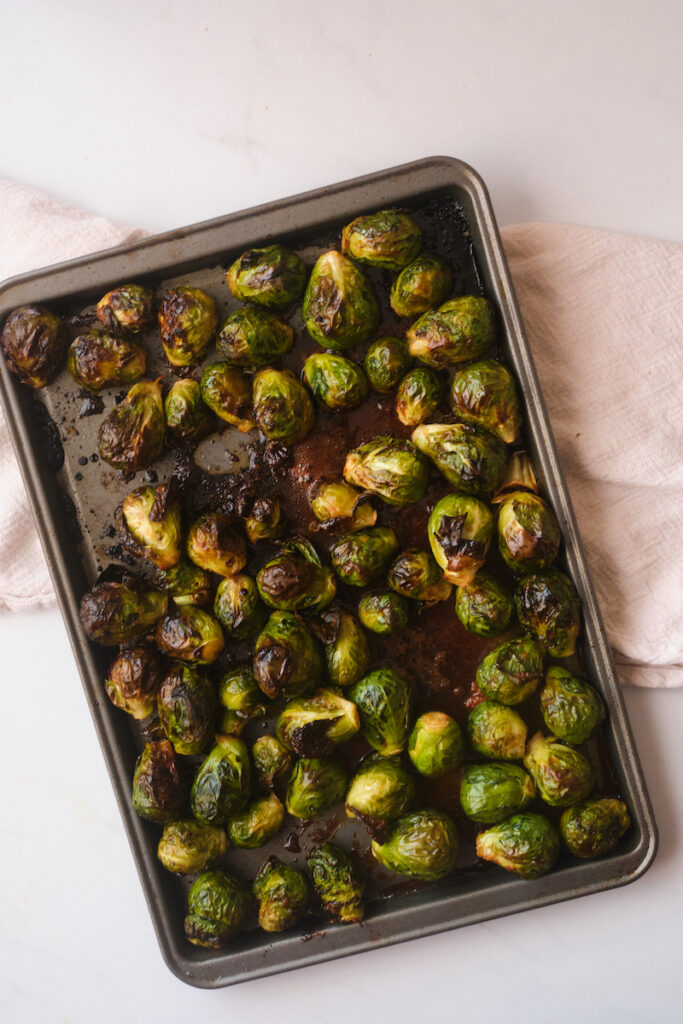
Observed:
{"x":163,"y":113}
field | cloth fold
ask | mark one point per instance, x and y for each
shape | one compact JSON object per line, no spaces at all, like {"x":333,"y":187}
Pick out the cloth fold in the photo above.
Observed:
{"x":603,"y":316}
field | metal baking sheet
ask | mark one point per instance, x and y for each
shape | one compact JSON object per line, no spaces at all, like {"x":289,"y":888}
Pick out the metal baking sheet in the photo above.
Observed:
{"x":69,"y":495}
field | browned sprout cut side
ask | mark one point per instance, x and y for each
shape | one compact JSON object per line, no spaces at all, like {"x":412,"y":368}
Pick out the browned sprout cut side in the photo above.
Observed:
{"x":34,"y":341}
{"x":132,"y":435}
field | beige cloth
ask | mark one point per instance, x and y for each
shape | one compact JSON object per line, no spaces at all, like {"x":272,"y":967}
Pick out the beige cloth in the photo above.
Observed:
{"x":603,"y":315}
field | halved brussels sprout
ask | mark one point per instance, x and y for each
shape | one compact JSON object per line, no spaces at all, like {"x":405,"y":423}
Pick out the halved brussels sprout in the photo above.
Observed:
{"x":133,"y":680}
{"x":187,"y":321}
{"x":287,"y":659}
{"x":419,"y":396}
{"x":415,"y":574}
{"x":34,"y":341}
{"x":486,"y":393}
{"x":459,"y":531}
{"x":469,"y":457}
{"x":314,"y":726}
{"x":283,"y":409}
{"x":484,"y":606}
{"x":386,"y":361}
{"x":337,"y":883}
{"x":226,"y":390}
{"x":436,"y":745}
{"x":495,"y":730}
{"x":347,"y":648}
{"x":526,"y":843}
{"x":217,"y":907}
{"x":562,"y":775}
{"x":490,"y":793}
{"x":282,"y":893}
{"x":295,"y":580}
{"x":187,"y":846}
{"x":383,"y":701}
{"x":186,"y":583}
{"x":456,"y":332}
{"x":359,"y":557}
{"x":116,"y":613}
{"x":99,"y":359}
{"x":130,"y":306}
{"x":158,"y":790}
{"x":252,"y":338}
{"x":264,"y":522}
{"x":272,"y":761}
{"x":335,"y":500}
{"x":340,"y":308}
{"x":149,"y":524}
{"x":548,"y":608}
{"x":511,"y":672}
{"x":132,"y":436}
{"x":422,"y":285}
{"x":595,"y":827}
{"x":316,"y":784}
{"x":391,"y":467}
{"x":273,"y":277}
{"x":389,"y":239}
{"x":187,"y":708}
{"x":423,"y":844}
{"x":215,"y":543}
{"x":528,"y":532}
{"x":384,"y":612}
{"x":238,"y":608}
{"x":260,"y":822}
{"x":572,"y":709}
{"x":222,"y":785}
{"x":381,"y":790}
{"x":190,"y":634}
{"x":187,"y":417}
{"x":239,"y":694}
{"x":335,"y":381}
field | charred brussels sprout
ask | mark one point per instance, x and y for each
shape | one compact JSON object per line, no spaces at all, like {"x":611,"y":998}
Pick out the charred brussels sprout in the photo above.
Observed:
{"x":313,"y":726}
{"x":215,"y":543}
{"x":490,"y":793}
{"x":485,"y":393}
{"x":187,"y":321}
{"x":495,"y":730}
{"x":98,"y":359}
{"x":436,"y":745}
{"x":187,"y":708}
{"x":241,"y":699}
{"x":316,"y":784}
{"x":470,"y":458}
{"x":252,"y":338}
{"x":340,"y":309}
{"x":571,"y":708}
{"x":34,"y":341}
{"x":595,"y":827}
{"x":190,"y":634}
{"x":347,"y":648}
{"x":384,"y":612}
{"x":158,"y":790}
{"x":381,"y":790}
{"x":226,"y":390}
{"x":484,"y":606}
{"x":273,"y":277}
{"x":335,"y":381}
{"x":456,"y":332}
{"x":512,"y":671}
{"x":187,"y":417}
{"x":149,"y":523}
{"x":386,"y":361}
{"x":415,"y":574}
{"x":528,"y":532}
{"x":133,"y":680}
{"x":130,"y":306}
{"x":287,"y":659}
{"x":187,"y":846}
{"x":115,"y":613}
{"x":272,"y":761}
{"x":383,"y":701}
{"x":358,"y":558}
{"x":419,"y":395}
{"x":282,"y":894}
{"x":186,"y":583}
{"x":238,"y":608}
{"x":548,"y":608}
{"x":282,"y":407}
{"x":422,"y":285}
{"x":391,"y":467}
{"x":336,"y":882}
{"x":132,"y":435}
{"x":389,"y":239}
{"x":423,"y":845}
{"x":222,"y":784}
{"x":335,"y":500}
{"x":217,"y":907}
{"x":562,"y":775}
{"x":295,"y":580}
{"x":526,"y":843}
{"x":260,"y":822}
{"x":459,"y":531}
{"x":264,"y":522}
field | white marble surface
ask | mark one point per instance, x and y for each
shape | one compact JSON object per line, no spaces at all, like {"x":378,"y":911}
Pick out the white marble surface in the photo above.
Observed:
{"x":162,"y":113}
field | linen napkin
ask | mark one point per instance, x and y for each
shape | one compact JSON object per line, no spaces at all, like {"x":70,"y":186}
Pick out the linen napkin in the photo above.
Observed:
{"x":603,"y":315}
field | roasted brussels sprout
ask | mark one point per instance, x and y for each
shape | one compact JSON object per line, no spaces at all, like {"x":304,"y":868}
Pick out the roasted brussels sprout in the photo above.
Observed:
{"x":264,"y":522}
{"x":335,"y":500}
{"x":495,"y":730}
{"x":252,"y":338}
{"x":241,"y":698}
{"x":386,"y":361}
{"x":337,"y":883}
{"x":187,"y":846}
{"x":572,"y":709}
{"x":272,"y":761}
{"x":186,"y":583}
{"x":415,"y":574}
{"x":389,"y":239}
{"x":226,"y":390}
{"x":282,"y":893}
{"x":260,"y":822}
{"x":313,"y":726}
{"x":295,"y":579}
{"x":459,"y":531}
{"x":335,"y":381}
{"x":484,"y":606}
{"x":422,"y":844}
{"x":133,"y":680}
{"x":548,"y":608}
{"x":528,"y":532}
{"x":391,"y":467}
{"x":359,"y":557}
{"x":187,"y":708}
{"x":595,"y":827}
{"x":149,"y":524}
{"x":340,"y":309}
{"x":217,"y":907}
{"x":436,"y":745}
{"x":486,"y":393}
{"x":222,"y":785}
{"x":469,"y":457}
{"x":381,"y":790}
{"x":116,"y":613}
{"x":422,"y":285}
{"x":215,"y":543}
{"x":419,"y":395}
{"x":456,"y":332}
{"x":273,"y":277}
{"x":158,"y":790}
{"x":383,"y":701}
{"x":238,"y":608}
{"x":130,"y":306}
{"x":347,"y":648}
{"x":132,"y":435}
{"x":511,"y":672}
{"x":489,"y":793}
{"x":282,"y":406}
{"x":384,"y":612}
{"x":526,"y":843}
{"x":34,"y":341}
{"x":187,"y":417}
{"x":316,"y":784}
{"x":562,"y":775}
{"x":187,"y":321}
{"x":99,"y":359}
{"x":190,"y":634}
{"x":287,"y":659}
